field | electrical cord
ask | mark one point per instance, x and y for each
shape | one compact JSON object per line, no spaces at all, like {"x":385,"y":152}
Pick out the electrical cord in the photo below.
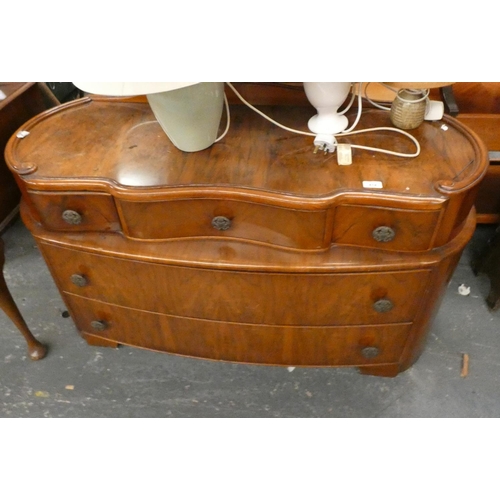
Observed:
{"x":244,"y":101}
{"x":343,"y":112}
{"x":347,"y":132}
{"x":374,"y":103}
{"x":360,"y":108}
{"x":378,"y":150}
{"x":228,"y":119}
{"x":396,"y":91}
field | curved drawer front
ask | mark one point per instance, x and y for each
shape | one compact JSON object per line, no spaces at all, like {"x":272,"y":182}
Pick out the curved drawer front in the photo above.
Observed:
{"x":76,"y":211}
{"x":244,"y":220}
{"x":385,"y":228}
{"x":285,"y":345}
{"x":243,"y":297}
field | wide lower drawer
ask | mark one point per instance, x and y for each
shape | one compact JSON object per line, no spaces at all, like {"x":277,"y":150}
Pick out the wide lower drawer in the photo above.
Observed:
{"x":312,"y":346}
{"x":242,"y":297}
{"x":290,"y":228}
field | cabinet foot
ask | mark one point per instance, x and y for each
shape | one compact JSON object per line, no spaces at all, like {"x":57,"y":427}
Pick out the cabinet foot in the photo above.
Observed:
{"x":493,"y":298}
{"x":98,"y":341}
{"x":380,"y":371}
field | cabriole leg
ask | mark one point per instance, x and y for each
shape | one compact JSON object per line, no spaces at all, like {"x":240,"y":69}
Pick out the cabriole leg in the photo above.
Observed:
{"x":36,"y":349}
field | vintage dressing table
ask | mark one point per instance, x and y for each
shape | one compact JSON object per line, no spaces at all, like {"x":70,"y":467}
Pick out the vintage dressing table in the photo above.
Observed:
{"x":255,"y":250}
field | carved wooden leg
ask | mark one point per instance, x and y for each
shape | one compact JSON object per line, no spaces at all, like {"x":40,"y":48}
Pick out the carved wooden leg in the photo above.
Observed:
{"x":36,"y":350}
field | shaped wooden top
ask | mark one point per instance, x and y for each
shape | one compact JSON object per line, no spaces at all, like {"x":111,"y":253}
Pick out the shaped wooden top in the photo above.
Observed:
{"x":118,"y":146}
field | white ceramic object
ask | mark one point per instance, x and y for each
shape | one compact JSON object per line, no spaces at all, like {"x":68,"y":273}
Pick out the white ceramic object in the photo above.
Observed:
{"x":188,"y":112}
{"x":327,"y":97}
{"x":190,"y":116}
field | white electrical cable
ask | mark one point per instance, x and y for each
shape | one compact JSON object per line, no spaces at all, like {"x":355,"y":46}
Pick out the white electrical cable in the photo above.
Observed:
{"x":344,"y":111}
{"x":349,"y":132}
{"x":228,"y":120}
{"x":265,"y":116}
{"x":360,"y":107}
{"x":390,"y":129}
{"x":376,"y":104}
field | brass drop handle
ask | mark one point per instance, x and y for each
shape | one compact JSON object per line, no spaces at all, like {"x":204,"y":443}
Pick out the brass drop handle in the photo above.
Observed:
{"x":383,"y":234}
{"x":99,"y":325}
{"x":79,"y":280}
{"x":72,"y":217}
{"x":221,"y":223}
{"x":383,"y":305}
{"x":370,"y":352}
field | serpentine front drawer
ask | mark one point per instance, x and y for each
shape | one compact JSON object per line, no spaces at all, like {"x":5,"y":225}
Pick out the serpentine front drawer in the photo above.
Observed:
{"x":301,"y":229}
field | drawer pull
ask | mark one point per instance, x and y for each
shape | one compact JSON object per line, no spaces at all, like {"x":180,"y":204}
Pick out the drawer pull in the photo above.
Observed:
{"x":383,"y":234}
{"x":370,"y":352}
{"x":221,"y":223}
{"x":383,"y":305}
{"x":72,"y":217}
{"x":79,"y":280}
{"x":99,"y":325}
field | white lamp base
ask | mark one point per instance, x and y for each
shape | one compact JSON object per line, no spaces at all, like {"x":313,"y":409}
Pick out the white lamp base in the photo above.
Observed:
{"x":332,"y":122}
{"x":327,"y":97}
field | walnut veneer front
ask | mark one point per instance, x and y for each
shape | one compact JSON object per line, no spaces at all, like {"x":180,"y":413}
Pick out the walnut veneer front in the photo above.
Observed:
{"x":254,"y":250}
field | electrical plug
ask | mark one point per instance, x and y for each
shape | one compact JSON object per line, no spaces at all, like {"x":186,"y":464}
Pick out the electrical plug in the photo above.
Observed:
{"x":325,"y":142}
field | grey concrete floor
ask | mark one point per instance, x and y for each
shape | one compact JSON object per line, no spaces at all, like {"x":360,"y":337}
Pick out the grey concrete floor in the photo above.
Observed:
{"x":77,"y":380}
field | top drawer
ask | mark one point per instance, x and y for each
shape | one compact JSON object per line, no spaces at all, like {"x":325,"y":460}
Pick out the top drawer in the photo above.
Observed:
{"x":185,"y":218}
{"x":78,"y":211}
{"x":385,"y":228}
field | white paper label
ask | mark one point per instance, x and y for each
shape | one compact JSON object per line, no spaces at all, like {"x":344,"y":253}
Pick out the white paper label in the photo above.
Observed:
{"x":372,"y":184}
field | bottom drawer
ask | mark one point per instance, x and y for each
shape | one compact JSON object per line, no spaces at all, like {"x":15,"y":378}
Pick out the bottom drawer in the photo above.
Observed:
{"x":246,"y":343}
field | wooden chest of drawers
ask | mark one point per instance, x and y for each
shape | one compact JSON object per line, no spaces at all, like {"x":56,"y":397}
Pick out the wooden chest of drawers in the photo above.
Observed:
{"x":255,"y":250}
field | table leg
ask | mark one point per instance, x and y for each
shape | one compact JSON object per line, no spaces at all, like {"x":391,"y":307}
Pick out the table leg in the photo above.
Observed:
{"x":36,"y":349}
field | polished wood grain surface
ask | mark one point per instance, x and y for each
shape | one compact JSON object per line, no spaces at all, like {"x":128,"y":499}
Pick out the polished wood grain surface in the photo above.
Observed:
{"x":263,"y":344}
{"x":259,"y":297}
{"x":255,"y":250}
{"x":394,"y":346}
{"x":105,"y":146}
{"x":102,"y":144}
